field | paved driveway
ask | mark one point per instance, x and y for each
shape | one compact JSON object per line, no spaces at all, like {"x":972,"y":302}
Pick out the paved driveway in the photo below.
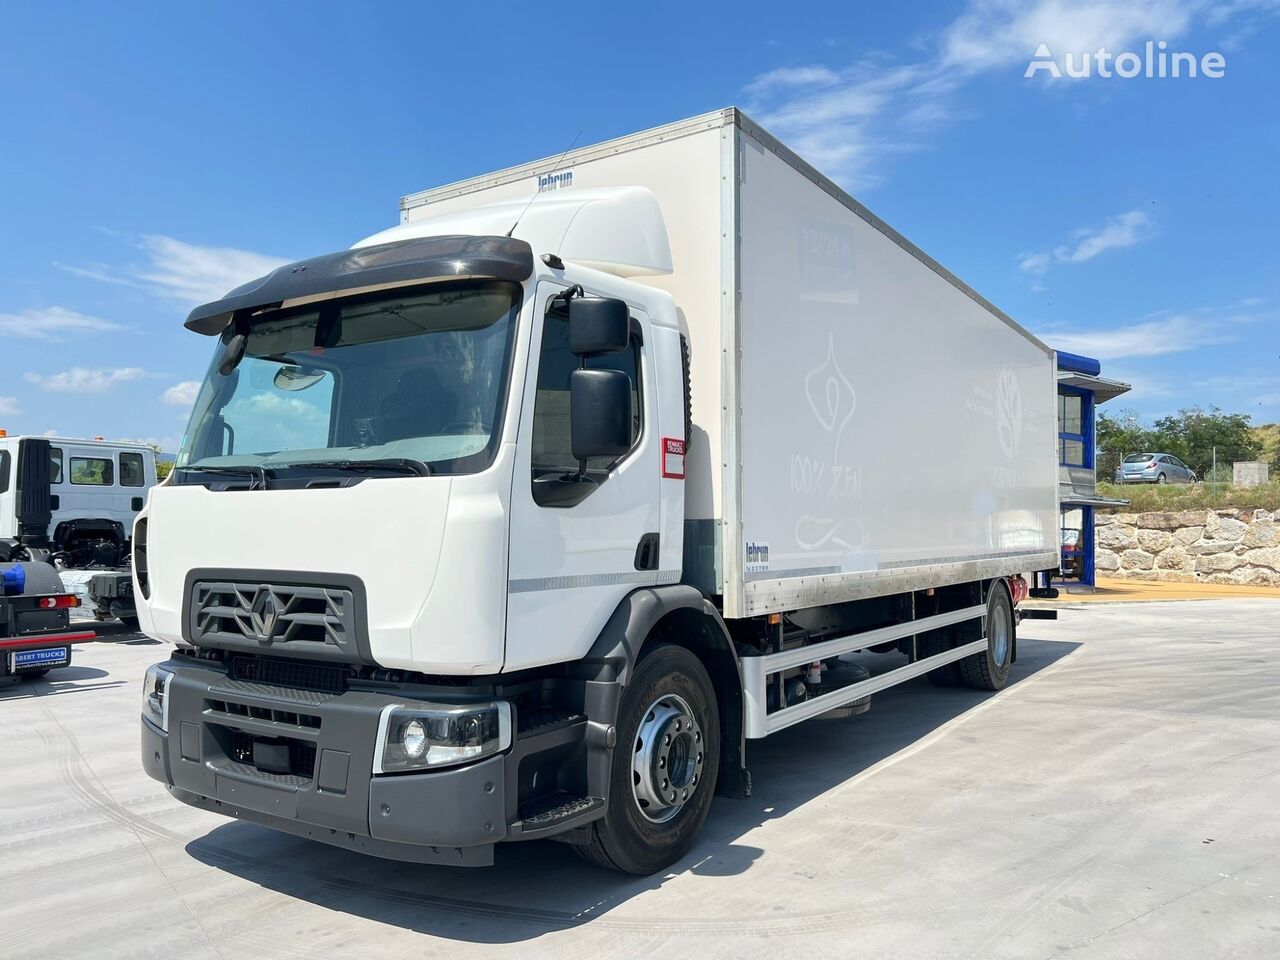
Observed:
{"x":1119,"y":799}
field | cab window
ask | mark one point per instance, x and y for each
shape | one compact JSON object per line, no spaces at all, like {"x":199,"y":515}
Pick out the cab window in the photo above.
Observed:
{"x":131,"y":470}
{"x":92,"y":471}
{"x":55,"y":464}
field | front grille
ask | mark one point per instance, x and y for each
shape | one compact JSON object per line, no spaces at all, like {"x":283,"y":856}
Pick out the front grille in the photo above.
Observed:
{"x":267,"y":613}
{"x":230,"y":709}
{"x":299,"y":674}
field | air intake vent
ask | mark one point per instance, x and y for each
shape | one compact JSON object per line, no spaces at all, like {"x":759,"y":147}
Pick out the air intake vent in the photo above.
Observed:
{"x":300,"y":674}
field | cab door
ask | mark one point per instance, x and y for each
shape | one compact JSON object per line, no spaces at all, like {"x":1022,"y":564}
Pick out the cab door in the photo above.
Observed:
{"x":577,"y":547}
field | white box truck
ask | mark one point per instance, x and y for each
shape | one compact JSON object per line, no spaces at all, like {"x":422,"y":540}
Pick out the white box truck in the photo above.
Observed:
{"x":522,"y":518}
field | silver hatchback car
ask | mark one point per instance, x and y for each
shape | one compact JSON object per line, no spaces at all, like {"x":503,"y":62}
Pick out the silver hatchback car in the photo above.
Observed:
{"x":1154,"y":468}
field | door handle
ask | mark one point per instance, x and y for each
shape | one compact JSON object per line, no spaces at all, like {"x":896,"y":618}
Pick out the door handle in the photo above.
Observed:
{"x":647,"y":552}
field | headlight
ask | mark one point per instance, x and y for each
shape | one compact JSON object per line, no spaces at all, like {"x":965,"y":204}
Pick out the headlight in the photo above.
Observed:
{"x":155,"y":696}
{"x":426,"y":737}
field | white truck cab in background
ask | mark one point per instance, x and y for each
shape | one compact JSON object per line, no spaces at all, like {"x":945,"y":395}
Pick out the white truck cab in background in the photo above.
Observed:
{"x":521,"y":518}
{"x":92,"y":491}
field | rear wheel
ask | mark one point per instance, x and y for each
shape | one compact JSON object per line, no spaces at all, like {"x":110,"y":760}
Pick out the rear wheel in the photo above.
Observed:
{"x":930,"y":645}
{"x":664,"y":766}
{"x":1162,"y":479}
{"x":989,"y":670}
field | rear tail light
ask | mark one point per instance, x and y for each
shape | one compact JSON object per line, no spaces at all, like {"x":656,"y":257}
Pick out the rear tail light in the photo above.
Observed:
{"x":59,"y":602}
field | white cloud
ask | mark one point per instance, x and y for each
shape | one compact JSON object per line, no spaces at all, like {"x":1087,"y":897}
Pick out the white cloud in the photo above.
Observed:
{"x":997,"y":33}
{"x":1125,"y":230}
{"x":52,"y":323}
{"x":1034,"y":263}
{"x":1176,"y":333}
{"x":185,"y":272}
{"x":9,"y":407}
{"x":785,"y":77}
{"x":84,"y":379}
{"x":846,"y":120}
{"x":1122,"y":231}
{"x":195,"y":274}
{"x":840,"y":121}
{"x":182,"y":394}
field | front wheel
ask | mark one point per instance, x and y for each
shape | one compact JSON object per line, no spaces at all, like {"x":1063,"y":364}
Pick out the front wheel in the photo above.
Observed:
{"x":989,"y":670}
{"x":664,"y":766}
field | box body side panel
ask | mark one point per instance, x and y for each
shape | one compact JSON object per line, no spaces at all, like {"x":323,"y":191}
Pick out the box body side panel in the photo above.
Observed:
{"x":895,"y":433}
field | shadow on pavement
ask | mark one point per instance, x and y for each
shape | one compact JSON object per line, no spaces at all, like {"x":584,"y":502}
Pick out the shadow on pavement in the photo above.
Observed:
{"x":543,"y":885}
{"x":58,"y":681}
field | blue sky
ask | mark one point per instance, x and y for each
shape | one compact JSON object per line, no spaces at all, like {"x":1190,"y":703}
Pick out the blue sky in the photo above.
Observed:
{"x":154,"y":155}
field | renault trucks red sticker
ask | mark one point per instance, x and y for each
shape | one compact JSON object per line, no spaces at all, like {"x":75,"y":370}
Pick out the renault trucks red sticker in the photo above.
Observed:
{"x":672,"y":458}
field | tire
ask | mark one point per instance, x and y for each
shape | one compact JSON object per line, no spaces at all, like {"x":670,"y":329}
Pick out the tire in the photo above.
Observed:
{"x":634,"y":839}
{"x":932,"y":644}
{"x":1162,"y":479}
{"x":989,"y":670}
{"x":131,"y":622}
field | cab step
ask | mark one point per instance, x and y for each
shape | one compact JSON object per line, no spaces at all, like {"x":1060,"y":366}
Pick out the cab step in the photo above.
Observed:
{"x":558,"y":812}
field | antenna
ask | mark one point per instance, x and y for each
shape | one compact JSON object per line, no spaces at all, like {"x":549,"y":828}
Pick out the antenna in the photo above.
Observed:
{"x":535,"y":189}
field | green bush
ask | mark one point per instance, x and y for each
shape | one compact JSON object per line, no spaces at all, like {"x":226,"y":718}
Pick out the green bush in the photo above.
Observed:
{"x":1153,"y":498}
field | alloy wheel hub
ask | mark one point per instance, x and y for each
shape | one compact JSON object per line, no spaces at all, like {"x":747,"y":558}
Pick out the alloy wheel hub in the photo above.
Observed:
{"x":666,"y":758}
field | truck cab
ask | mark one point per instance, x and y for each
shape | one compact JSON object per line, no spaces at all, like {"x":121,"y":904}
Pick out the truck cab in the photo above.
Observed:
{"x":434,"y":465}
{"x":77,"y":499}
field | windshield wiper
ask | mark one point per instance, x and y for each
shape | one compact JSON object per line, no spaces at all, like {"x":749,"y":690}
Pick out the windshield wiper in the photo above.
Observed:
{"x":257,"y":475}
{"x":401,"y":464}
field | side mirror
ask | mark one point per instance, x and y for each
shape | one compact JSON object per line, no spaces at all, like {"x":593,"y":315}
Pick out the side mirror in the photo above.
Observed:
{"x":599,"y":413}
{"x":232,"y":353}
{"x":598,"y":327}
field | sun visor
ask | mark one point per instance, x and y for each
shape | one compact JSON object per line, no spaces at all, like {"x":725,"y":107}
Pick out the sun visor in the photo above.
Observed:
{"x":399,"y":262}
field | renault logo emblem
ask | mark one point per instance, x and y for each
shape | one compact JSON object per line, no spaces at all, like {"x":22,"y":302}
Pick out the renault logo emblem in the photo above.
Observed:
{"x":264,"y":613}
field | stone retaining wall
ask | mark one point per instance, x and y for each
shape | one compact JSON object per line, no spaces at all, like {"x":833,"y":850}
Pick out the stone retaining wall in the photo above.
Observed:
{"x":1191,"y":546}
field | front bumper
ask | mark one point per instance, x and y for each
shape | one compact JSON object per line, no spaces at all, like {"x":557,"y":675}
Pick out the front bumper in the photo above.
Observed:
{"x":452,"y":815}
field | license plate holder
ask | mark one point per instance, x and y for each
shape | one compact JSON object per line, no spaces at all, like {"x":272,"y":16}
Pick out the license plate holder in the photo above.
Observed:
{"x":43,"y":659}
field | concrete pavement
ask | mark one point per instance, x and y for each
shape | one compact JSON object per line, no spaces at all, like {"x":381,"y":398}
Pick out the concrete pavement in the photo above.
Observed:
{"x":1117,"y":800}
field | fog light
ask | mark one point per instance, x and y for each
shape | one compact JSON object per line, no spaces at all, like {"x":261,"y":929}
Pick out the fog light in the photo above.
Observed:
{"x":440,"y":735}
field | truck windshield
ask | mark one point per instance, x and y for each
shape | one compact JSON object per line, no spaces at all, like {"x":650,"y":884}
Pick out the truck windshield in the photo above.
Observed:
{"x":416,"y":376}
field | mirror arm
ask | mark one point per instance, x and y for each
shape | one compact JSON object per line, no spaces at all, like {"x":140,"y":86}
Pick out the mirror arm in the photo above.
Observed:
{"x":564,"y":296}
